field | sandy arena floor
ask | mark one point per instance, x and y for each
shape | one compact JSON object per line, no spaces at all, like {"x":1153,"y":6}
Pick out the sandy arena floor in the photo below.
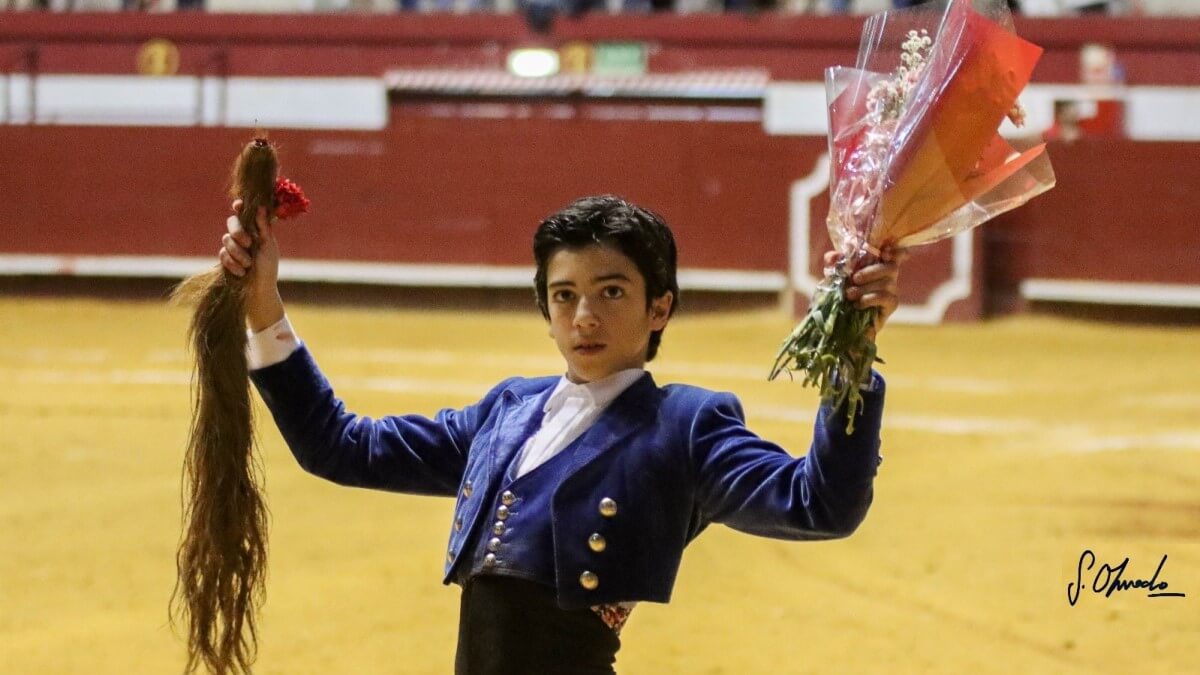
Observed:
{"x":1011,"y":447}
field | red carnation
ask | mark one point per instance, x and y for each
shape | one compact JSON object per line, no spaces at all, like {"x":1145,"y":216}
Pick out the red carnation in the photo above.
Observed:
{"x":289,"y":199}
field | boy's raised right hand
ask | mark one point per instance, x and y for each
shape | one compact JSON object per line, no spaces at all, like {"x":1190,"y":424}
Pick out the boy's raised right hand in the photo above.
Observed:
{"x":264,"y":306}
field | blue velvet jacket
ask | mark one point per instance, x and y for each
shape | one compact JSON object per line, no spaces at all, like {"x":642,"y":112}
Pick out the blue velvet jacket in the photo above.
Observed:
{"x":672,"y":460}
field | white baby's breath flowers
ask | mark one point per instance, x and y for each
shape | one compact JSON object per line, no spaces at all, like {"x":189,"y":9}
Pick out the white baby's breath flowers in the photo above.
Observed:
{"x":1017,"y":114}
{"x":888,"y":96}
{"x":914,"y":50}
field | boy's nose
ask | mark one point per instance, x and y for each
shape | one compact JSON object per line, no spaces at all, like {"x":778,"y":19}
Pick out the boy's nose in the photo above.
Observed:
{"x":583,"y":314}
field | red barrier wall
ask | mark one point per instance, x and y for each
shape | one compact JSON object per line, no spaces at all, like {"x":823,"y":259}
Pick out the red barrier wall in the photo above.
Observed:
{"x":425,"y":190}
{"x":1122,"y":211}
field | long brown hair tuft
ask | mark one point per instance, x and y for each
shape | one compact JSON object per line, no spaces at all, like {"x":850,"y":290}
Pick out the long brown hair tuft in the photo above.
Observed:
{"x":222,"y":556}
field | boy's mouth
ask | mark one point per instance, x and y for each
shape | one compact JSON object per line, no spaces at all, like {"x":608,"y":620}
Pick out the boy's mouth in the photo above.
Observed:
{"x":589,"y":348}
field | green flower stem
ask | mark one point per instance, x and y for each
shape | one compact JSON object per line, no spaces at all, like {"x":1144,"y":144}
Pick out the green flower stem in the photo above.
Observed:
{"x":831,"y":346}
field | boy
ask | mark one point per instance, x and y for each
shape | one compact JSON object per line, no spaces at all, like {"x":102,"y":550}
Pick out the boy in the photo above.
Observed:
{"x":577,"y":494}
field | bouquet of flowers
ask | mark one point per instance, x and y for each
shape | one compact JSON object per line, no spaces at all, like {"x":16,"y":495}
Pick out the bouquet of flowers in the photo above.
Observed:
{"x":915,"y":157}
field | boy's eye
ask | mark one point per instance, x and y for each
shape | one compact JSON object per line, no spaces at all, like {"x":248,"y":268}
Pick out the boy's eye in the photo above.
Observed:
{"x":562,"y":296}
{"x":614,"y":292}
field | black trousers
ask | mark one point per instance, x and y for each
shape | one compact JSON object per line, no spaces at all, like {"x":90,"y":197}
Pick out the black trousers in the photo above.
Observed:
{"x":509,"y":626}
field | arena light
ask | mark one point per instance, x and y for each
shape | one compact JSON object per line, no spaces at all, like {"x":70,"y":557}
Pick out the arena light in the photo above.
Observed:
{"x":533,"y":62}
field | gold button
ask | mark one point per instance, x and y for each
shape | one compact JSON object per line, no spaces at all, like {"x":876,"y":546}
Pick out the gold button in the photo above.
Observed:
{"x":597,"y":543}
{"x":458,"y":524}
{"x":589,"y":580}
{"x":502,"y":513}
{"x":489,"y":560}
{"x":493,"y":544}
{"x":468,"y":489}
{"x":508,"y":498}
{"x":608,"y":508}
{"x":498,"y":528}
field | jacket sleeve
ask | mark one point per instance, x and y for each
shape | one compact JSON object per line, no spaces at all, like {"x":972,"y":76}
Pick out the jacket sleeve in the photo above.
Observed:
{"x":755,"y":486}
{"x":408,"y":453}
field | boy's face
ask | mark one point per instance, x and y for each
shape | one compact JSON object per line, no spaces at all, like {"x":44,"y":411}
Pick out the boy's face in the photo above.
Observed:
{"x":598,"y":315}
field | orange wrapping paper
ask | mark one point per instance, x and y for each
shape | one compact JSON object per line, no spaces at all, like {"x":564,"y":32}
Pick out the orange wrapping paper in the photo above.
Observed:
{"x":949,"y":151}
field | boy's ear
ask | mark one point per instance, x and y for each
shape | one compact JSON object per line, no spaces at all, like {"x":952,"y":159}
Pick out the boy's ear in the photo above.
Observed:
{"x":660,"y":310}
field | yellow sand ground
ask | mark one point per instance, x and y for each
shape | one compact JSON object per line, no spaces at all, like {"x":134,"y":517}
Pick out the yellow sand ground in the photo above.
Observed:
{"x":1011,"y":447}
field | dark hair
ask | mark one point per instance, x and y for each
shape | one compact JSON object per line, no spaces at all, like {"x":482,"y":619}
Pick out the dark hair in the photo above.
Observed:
{"x":641,"y":235}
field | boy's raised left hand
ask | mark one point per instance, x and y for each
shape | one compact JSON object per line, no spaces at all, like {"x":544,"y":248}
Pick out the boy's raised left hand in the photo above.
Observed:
{"x":876,"y":285}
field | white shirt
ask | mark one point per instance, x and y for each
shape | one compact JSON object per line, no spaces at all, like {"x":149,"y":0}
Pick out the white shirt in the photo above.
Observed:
{"x":271,"y":345}
{"x":571,"y":409}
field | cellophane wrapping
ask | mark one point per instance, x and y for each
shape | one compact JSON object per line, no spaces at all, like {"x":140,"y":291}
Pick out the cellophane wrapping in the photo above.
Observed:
{"x":916,"y":156}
